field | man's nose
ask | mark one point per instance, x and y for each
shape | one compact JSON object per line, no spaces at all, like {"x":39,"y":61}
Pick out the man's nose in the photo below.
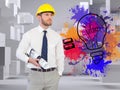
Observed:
{"x":50,"y":16}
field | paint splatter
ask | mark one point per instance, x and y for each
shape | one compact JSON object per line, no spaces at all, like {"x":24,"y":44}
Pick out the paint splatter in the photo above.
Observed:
{"x":78,"y":12}
{"x":93,"y":31}
{"x":110,"y":46}
{"x":74,"y":53}
{"x":97,"y":69}
{"x":70,"y":33}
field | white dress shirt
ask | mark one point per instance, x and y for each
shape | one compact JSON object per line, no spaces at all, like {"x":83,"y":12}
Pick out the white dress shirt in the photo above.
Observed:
{"x":33,"y":38}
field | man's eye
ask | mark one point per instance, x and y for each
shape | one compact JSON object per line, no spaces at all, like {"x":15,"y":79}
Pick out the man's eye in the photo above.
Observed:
{"x":47,"y":14}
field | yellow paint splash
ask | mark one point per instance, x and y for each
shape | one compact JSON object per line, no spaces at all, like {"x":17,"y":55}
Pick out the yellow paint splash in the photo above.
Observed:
{"x":70,"y":33}
{"x":112,"y":41}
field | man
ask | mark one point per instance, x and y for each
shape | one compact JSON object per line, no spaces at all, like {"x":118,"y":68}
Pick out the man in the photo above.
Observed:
{"x":48,"y":44}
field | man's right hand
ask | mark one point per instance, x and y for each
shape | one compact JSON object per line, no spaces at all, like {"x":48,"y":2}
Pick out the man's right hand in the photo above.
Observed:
{"x":34,"y":62}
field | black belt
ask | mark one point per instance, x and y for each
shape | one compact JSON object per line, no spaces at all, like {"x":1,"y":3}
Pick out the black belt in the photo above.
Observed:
{"x":43,"y":70}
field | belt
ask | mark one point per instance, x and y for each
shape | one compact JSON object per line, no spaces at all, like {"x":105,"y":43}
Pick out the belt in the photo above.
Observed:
{"x":43,"y":70}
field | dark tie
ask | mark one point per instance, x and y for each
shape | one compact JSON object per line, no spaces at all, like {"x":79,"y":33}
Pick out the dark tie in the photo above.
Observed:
{"x":44,"y":46}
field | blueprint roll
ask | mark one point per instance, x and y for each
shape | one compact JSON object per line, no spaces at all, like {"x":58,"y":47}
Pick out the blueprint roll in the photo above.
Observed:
{"x":33,"y":54}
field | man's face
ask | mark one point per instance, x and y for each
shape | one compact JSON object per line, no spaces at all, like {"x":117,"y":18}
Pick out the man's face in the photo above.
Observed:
{"x":46,"y":18}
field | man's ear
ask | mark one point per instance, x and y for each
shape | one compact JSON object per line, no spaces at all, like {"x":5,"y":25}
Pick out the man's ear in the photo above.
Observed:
{"x":38,"y":17}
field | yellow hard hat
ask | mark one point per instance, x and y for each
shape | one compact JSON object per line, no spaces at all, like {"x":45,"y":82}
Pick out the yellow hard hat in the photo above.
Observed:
{"x":45,"y":8}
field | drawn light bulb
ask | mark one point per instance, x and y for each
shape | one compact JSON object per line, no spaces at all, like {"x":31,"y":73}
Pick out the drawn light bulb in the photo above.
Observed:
{"x":91,"y":29}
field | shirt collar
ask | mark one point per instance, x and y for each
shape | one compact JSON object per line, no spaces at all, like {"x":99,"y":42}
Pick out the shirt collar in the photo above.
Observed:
{"x":41,"y":29}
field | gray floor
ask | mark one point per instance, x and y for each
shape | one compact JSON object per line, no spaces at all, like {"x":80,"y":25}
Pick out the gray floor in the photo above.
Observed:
{"x":66,"y":83}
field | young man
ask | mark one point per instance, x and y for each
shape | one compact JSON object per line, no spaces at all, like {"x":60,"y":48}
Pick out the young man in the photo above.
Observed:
{"x":48,"y":44}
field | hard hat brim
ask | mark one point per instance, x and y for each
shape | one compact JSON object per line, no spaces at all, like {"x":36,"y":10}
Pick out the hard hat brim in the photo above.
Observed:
{"x":45,"y":12}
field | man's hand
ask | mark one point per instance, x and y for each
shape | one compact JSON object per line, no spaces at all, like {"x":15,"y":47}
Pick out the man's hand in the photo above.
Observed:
{"x":34,"y":62}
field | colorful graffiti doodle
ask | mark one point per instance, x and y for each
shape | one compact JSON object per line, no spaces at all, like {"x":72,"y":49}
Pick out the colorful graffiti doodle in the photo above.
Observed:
{"x":102,"y":41}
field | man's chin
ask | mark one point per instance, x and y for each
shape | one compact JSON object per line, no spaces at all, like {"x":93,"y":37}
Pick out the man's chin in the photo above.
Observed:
{"x":48,"y":24}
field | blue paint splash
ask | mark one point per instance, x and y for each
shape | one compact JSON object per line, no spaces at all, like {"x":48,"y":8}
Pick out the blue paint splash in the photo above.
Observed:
{"x":78,"y":12}
{"x":92,"y":68}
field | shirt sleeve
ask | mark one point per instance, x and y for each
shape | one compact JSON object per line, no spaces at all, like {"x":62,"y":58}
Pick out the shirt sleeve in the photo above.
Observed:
{"x":22,"y":48}
{"x":60,"y":56}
